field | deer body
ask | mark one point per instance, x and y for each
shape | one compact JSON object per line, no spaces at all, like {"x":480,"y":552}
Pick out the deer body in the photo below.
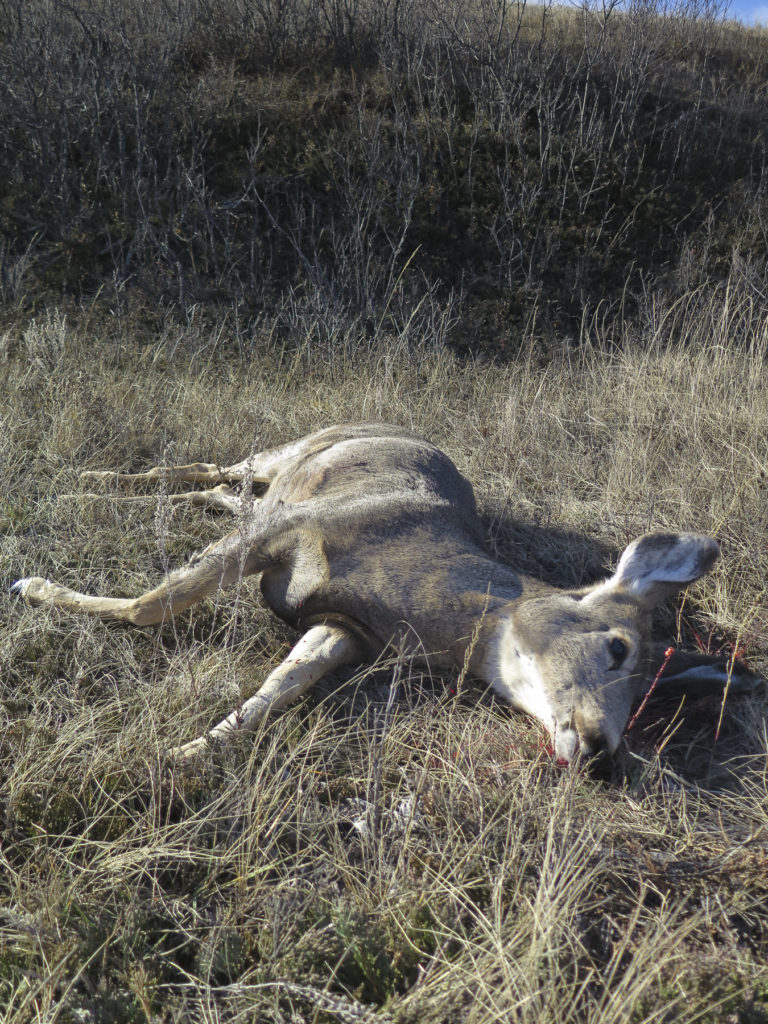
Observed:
{"x":367,"y":537}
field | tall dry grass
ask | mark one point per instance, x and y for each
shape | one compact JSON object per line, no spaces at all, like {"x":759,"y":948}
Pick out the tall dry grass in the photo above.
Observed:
{"x":386,"y":850}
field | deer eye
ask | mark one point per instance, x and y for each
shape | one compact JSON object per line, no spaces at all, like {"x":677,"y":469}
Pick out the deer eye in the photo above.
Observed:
{"x":618,"y":650}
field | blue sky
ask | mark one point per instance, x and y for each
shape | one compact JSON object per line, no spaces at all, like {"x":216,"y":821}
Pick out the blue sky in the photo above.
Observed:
{"x":749,"y":11}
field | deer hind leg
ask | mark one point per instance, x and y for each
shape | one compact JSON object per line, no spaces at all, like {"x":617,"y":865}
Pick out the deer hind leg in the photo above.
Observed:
{"x":322,"y":649}
{"x":221,"y":497}
{"x":224,"y":494}
{"x":260,"y":468}
{"x":194,"y":473}
{"x":218,"y":567}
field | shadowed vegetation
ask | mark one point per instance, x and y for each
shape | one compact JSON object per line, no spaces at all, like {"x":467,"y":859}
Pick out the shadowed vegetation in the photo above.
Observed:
{"x":523,"y":165}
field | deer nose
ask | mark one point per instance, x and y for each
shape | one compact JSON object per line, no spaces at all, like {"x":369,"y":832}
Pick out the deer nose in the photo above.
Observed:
{"x":576,"y":739}
{"x":566,"y":743}
{"x":580,"y":745}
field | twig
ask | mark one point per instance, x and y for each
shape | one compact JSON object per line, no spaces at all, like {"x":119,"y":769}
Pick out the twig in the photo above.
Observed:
{"x":667,"y":655}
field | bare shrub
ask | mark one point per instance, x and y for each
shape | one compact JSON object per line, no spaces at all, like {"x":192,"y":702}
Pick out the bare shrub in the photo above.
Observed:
{"x":44,"y":341}
{"x":534,"y":160}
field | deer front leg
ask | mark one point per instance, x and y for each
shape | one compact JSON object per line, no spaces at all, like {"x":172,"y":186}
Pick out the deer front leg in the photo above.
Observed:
{"x":701,"y":673}
{"x":321,"y":650}
{"x":218,"y":567}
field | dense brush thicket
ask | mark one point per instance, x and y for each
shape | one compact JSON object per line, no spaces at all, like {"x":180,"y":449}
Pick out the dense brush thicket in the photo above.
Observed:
{"x":524,"y":164}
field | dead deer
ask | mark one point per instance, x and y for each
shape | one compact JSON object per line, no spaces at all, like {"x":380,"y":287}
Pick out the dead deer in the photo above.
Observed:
{"x":367,"y":537}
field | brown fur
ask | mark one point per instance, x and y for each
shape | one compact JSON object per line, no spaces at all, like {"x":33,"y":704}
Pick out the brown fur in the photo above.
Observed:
{"x":367,"y":537}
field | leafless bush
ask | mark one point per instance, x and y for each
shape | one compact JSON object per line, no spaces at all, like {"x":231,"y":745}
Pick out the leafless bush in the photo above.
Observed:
{"x":530,"y":158}
{"x":45,"y":340}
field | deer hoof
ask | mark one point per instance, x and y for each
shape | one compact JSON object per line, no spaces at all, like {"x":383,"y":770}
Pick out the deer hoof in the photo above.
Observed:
{"x":21,"y":588}
{"x":189,"y":751}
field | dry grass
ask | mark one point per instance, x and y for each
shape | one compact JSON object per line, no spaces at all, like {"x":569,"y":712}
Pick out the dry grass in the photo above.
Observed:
{"x":365,"y":859}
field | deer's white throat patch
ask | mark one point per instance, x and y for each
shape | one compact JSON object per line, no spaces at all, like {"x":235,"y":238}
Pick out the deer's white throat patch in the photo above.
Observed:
{"x":516,"y":677}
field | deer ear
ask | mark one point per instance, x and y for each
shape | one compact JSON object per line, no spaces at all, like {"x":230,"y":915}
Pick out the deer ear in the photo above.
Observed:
{"x":657,"y":565}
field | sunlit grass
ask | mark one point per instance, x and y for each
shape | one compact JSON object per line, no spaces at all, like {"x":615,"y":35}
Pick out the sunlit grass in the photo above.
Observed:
{"x":365,"y":858}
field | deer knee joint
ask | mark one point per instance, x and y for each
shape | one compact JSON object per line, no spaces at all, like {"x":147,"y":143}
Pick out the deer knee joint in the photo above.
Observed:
{"x":147,"y":613}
